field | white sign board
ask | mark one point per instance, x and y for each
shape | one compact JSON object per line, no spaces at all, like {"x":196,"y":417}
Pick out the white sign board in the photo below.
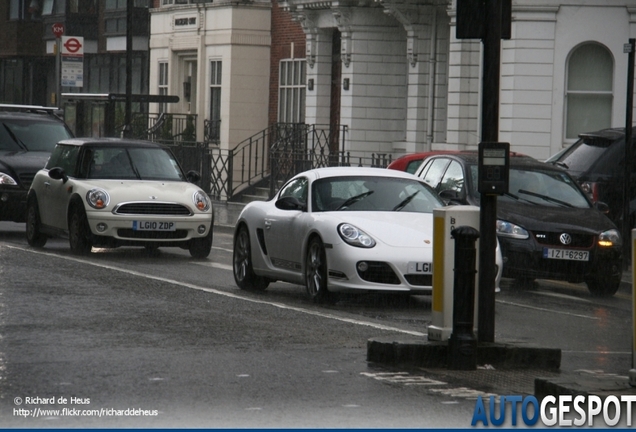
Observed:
{"x":72,"y":67}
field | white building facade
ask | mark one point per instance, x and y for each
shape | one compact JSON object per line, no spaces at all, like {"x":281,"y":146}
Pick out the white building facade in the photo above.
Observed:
{"x":407,"y":84}
{"x":215,"y":56}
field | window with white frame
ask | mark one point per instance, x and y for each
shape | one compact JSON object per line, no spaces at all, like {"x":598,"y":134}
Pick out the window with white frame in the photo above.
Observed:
{"x":589,"y":89}
{"x":291,"y":91}
{"x":216,"y":70}
{"x":163,"y":84}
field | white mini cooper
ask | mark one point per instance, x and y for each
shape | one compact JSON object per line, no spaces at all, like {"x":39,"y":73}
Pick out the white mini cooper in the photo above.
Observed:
{"x":110,"y":192}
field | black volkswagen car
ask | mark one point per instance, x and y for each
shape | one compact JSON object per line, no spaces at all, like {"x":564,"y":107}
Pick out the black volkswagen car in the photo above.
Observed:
{"x":546,"y":225}
{"x":28,"y":134}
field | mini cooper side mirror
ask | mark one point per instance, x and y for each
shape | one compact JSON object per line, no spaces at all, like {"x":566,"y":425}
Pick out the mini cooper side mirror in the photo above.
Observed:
{"x":291,"y":203}
{"x":193,"y":176}
{"x":58,"y":173}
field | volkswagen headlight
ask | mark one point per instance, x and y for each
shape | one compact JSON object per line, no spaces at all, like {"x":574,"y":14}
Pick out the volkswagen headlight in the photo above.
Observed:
{"x":355,"y":236}
{"x":6,"y":179}
{"x":610,"y":238}
{"x":97,"y":198}
{"x":201,"y":201}
{"x":507,"y":229}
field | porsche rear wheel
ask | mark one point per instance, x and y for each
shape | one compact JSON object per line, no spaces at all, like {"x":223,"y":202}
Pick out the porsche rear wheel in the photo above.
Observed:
{"x":79,"y":232}
{"x":34,"y":236}
{"x":316,"y":273}
{"x":244,"y":275}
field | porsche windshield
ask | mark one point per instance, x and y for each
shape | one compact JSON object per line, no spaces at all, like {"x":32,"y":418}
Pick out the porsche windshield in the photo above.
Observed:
{"x":357,"y":193}
{"x":131,"y":163}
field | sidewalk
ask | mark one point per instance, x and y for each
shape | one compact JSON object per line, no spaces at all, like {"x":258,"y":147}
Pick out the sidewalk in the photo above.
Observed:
{"x":531,"y":364}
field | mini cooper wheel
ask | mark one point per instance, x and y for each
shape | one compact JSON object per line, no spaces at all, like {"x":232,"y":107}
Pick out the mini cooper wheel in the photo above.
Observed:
{"x":316,"y":273}
{"x":34,"y":236}
{"x":244,"y":275}
{"x":79,"y":232}
{"x":200,"y":247}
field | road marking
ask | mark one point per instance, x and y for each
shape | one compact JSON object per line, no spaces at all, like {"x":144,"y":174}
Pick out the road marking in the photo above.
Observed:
{"x":223,"y":249}
{"x":224,"y":293}
{"x":546,"y":310}
{"x":215,"y":265}
{"x":559,"y":295}
{"x":402,"y":378}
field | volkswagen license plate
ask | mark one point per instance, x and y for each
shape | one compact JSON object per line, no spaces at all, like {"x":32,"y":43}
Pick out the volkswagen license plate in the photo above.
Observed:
{"x":153,"y":226}
{"x":566,"y":254}
{"x":419,"y":268}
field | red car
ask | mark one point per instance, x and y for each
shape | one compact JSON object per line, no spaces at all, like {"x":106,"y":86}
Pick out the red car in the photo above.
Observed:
{"x":411,"y":162}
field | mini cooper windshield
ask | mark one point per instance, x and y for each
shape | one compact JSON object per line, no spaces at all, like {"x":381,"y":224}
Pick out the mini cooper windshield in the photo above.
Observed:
{"x":372,"y":194}
{"x":131,"y":163}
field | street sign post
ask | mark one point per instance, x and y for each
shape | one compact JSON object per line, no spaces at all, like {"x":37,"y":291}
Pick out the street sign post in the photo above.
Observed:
{"x":72,"y":51}
{"x":58,"y":30}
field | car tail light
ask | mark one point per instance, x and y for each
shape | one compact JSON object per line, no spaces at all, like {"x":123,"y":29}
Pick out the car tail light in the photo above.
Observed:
{"x":591,"y":190}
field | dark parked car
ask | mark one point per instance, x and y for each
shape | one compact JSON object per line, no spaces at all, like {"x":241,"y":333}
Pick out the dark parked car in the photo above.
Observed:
{"x":28,"y":134}
{"x":597,"y":161}
{"x":546,"y":225}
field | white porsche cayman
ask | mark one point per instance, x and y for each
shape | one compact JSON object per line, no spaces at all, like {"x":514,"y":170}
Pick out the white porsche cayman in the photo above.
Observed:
{"x":339,"y":229}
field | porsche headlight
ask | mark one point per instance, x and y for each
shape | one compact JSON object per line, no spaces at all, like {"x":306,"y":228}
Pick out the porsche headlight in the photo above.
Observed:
{"x":6,"y":179}
{"x":610,"y":238}
{"x":507,"y":229}
{"x":354,"y":236}
{"x":201,"y":201}
{"x":97,"y":198}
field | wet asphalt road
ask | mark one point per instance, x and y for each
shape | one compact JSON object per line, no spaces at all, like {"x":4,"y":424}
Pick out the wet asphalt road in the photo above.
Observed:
{"x":174,"y":342}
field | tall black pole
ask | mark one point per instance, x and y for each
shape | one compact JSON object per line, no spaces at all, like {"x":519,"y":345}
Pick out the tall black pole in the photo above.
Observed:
{"x":128,"y":112}
{"x":626,"y":228}
{"x":488,"y":204}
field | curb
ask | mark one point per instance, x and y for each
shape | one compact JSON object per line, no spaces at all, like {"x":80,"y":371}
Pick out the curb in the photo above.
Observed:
{"x":418,"y":352}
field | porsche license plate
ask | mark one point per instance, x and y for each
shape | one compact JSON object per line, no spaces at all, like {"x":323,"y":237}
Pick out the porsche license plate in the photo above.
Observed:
{"x":566,"y":254}
{"x":419,"y":268}
{"x":154,"y":226}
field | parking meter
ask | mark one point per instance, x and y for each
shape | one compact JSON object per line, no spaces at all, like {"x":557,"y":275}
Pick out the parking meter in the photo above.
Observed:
{"x":494,"y":168}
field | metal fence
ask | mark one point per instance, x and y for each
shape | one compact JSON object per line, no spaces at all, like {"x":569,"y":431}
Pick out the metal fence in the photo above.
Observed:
{"x":267,"y":159}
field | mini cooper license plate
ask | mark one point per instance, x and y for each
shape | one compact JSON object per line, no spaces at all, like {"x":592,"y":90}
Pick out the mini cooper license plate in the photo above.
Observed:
{"x":419,"y":268}
{"x":153,"y":226}
{"x":566,"y":254}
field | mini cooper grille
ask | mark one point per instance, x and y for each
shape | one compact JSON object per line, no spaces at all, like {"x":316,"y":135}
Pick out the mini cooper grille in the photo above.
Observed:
{"x":553,"y":239}
{"x":142,"y":235}
{"x":142,"y":208}
{"x":379,"y":272}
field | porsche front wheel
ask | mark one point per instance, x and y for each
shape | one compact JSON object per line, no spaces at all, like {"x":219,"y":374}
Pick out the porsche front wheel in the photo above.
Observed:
{"x":316,"y":273}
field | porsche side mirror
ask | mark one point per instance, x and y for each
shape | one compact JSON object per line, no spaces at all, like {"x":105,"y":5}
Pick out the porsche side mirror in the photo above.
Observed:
{"x":291,"y":203}
{"x":193,"y":176}
{"x":58,"y":173}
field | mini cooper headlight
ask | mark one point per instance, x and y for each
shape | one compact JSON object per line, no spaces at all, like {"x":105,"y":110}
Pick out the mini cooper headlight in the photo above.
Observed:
{"x":610,"y":238}
{"x":201,"y":201}
{"x":6,"y":179}
{"x":354,"y":236}
{"x":97,"y":198}
{"x":507,"y":229}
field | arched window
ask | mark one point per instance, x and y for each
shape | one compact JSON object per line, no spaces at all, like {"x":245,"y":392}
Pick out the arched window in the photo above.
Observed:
{"x":589,"y":90}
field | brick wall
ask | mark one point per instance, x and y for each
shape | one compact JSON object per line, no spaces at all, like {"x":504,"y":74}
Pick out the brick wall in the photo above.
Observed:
{"x":284,"y":33}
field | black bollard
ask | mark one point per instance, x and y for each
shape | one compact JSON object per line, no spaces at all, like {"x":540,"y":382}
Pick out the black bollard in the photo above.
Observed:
{"x":462,"y":343}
